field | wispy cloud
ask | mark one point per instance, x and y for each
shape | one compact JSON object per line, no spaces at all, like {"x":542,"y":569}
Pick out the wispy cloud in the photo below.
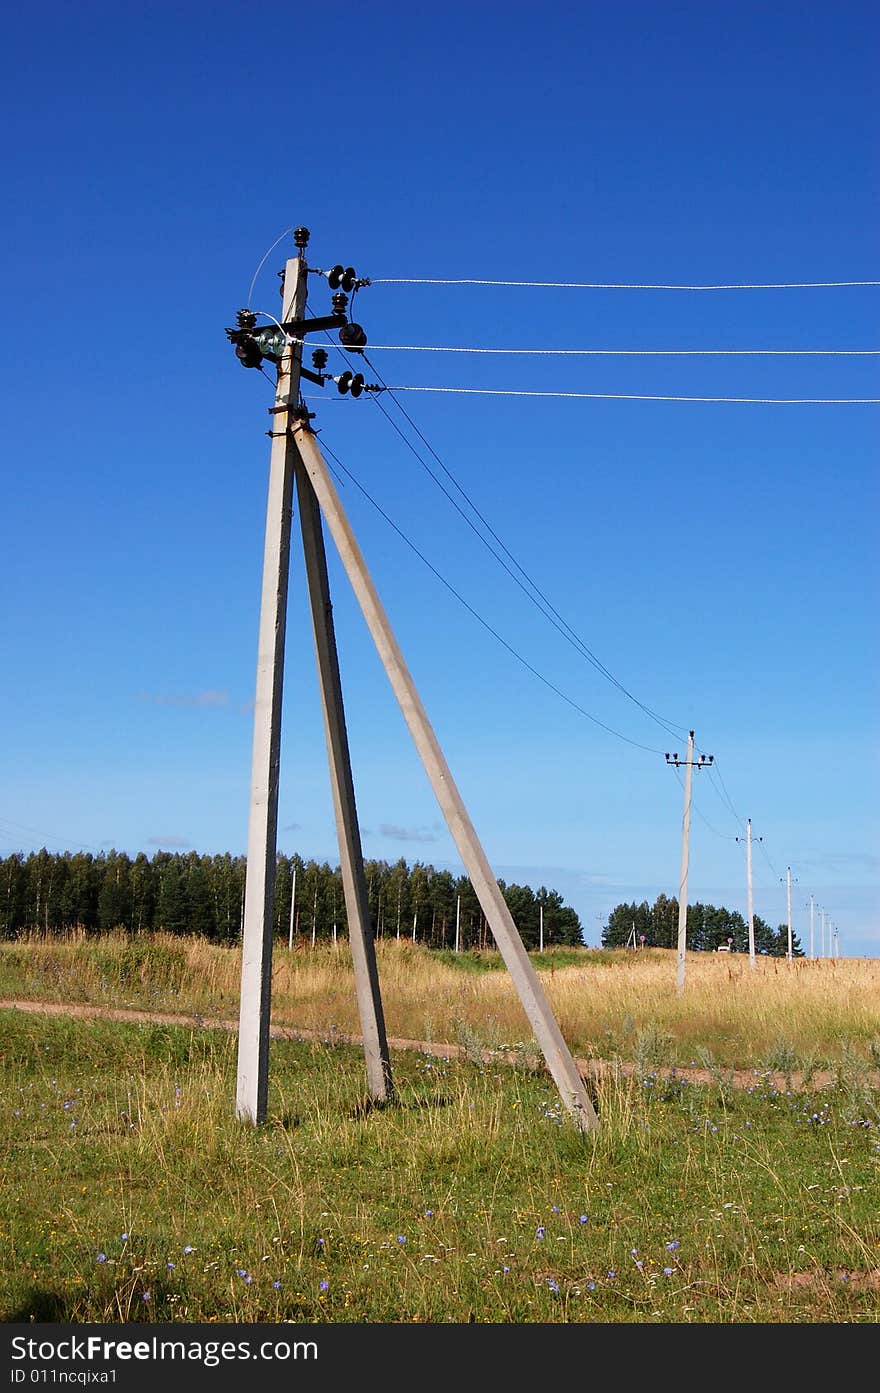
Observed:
{"x":169,"y":842}
{"x":207,"y":700}
{"x":292,"y":827}
{"x":394,"y":833}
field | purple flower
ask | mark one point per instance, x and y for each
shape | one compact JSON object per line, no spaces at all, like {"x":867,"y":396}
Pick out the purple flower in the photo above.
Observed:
{"x":667,"y":1272}
{"x":124,"y":1237}
{"x":277,"y":1285}
{"x":429,"y":1213}
{"x":170,"y":1266}
{"x":188,"y":1248}
{"x":102,"y":1257}
{"x":145,"y":1296}
{"x":554,"y":1209}
{"x":591,"y":1286}
{"x":611,"y":1275}
{"x":323,"y":1285}
{"x":553,"y":1285}
{"x":582,"y":1219}
{"x":671,"y":1247}
{"x":505,"y":1269}
{"x":539,"y":1231}
{"x":401,"y":1238}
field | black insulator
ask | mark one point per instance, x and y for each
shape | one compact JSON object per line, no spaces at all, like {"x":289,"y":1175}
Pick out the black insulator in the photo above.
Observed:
{"x":352,"y":337}
{"x":319,"y":359}
{"x":301,"y":237}
{"x":350,"y":382}
{"x":247,"y":352}
{"x":246,"y":319}
{"x":339,"y":302}
{"x":342,"y":277}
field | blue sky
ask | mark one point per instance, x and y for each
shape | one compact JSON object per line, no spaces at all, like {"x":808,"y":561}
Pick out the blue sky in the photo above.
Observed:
{"x":719,"y":559}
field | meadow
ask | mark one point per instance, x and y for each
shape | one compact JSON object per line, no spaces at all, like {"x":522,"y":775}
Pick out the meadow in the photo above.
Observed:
{"x":131,"y":1193}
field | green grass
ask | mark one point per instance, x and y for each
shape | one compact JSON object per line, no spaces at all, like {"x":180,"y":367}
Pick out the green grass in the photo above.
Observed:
{"x":132,"y":1193}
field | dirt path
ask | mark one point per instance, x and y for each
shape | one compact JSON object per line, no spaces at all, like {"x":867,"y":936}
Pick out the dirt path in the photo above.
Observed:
{"x":589,"y":1068}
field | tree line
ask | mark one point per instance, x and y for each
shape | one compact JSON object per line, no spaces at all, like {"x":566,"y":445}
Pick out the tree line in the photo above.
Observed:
{"x":708,"y":928}
{"x":189,"y":893}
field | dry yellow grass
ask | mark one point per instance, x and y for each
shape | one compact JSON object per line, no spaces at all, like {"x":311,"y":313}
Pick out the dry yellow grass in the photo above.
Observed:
{"x":621,"y":1004}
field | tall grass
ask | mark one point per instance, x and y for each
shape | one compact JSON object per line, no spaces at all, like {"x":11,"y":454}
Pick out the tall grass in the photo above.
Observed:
{"x":608,"y":1004}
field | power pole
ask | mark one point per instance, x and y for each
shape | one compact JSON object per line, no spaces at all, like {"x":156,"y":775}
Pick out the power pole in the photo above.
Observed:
{"x":458,"y":923}
{"x":812,"y":954}
{"x":541,"y":930}
{"x":256,"y":966}
{"x":292,"y":905}
{"x":283,"y":345}
{"x":790,"y":953}
{"x":749,"y":886}
{"x":688,"y":762}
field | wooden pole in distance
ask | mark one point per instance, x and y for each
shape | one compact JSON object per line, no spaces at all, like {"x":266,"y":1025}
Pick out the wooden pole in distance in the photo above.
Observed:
{"x":256,"y":966}
{"x":556,"y":1053}
{"x":360,"y":933}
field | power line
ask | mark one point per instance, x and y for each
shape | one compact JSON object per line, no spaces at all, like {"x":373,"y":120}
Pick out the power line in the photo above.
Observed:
{"x":642,"y":396}
{"x":633,"y":352}
{"x":485,"y":623}
{"x":612,"y":285}
{"x":568,"y":633}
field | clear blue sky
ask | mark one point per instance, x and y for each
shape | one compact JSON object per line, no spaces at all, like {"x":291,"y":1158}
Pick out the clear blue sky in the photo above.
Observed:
{"x":719,"y":559}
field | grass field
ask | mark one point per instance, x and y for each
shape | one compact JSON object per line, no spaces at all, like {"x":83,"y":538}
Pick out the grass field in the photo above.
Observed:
{"x":131,"y":1192}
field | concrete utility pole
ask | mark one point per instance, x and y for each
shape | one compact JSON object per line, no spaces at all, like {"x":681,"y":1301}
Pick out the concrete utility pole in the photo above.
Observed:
{"x":685,"y":838}
{"x":458,"y":923}
{"x":541,"y":930}
{"x":254,"y":1011}
{"x":256,"y":966}
{"x":556,"y":1054}
{"x":812,"y":954}
{"x":749,"y":889}
{"x":790,"y":953}
{"x":354,"y":885}
{"x":292,"y":907}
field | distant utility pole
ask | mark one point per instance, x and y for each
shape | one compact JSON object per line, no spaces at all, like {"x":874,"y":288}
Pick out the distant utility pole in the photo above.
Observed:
{"x":688,"y":762}
{"x":292,"y":908}
{"x":458,"y":923}
{"x":788,"y":908}
{"x":812,"y":954}
{"x":541,"y":929}
{"x":749,"y":886}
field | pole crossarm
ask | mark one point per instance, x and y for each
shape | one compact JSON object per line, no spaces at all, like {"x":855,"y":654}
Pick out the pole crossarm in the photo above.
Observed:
{"x":556,"y":1053}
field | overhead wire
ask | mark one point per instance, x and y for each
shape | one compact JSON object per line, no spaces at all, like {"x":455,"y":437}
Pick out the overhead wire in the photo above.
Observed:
{"x":639,"y":396}
{"x":475,"y":613}
{"x":611,"y":285}
{"x":542,"y":603}
{"x":630,"y":352}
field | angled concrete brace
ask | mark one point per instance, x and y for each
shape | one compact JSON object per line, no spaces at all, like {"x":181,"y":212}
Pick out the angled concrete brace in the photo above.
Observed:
{"x":556,"y":1053}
